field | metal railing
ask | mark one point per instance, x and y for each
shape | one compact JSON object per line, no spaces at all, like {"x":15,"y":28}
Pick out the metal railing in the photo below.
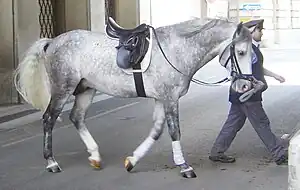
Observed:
{"x":46,"y":18}
{"x":109,"y":9}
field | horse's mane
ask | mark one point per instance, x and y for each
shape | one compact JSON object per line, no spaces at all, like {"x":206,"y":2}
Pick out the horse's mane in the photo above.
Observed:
{"x":192,"y":27}
{"x":195,"y":26}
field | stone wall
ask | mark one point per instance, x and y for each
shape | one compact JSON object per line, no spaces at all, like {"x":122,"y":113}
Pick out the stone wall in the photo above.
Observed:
{"x":17,"y":33}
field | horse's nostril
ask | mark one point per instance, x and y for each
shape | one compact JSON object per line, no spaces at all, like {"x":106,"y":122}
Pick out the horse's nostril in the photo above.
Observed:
{"x":245,"y":87}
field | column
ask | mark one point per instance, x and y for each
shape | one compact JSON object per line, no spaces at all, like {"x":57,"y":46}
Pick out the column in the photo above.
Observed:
{"x":97,"y":15}
{"x":6,"y":51}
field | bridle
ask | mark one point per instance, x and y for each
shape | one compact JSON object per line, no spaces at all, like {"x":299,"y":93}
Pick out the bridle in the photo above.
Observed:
{"x":236,"y":72}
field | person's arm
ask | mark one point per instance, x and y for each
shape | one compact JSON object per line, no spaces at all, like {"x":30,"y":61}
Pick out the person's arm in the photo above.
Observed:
{"x":269,"y":73}
{"x":274,"y":75}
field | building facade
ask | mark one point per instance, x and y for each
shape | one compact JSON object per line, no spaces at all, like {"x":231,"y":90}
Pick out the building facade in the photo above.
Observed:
{"x":282,"y":19}
{"x":22,"y":22}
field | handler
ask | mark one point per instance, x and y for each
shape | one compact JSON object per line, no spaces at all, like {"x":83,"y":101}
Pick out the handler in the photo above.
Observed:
{"x":251,"y":109}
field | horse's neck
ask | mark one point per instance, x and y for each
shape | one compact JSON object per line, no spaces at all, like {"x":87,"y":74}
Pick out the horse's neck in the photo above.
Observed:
{"x":210,"y":42}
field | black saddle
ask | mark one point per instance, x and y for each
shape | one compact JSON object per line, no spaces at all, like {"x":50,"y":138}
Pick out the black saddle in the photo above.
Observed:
{"x":120,"y":30}
{"x":133,"y":43}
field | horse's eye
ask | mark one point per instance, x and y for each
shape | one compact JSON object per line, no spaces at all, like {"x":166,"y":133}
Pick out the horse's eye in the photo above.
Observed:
{"x":241,"y":53}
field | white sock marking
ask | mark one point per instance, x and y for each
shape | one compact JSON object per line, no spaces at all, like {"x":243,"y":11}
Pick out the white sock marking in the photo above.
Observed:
{"x":90,"y":143}
{"x":143,"y":148}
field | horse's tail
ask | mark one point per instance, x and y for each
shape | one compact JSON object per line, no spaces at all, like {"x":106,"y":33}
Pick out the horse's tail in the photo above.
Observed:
{"x":30,"y":77}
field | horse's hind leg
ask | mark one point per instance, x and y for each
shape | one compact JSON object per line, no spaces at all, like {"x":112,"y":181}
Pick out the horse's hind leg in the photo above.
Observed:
{"x":58,"y":99}
{"x":82,"y":102}
{"x":155,"y":133}
{"x":172,"y":115}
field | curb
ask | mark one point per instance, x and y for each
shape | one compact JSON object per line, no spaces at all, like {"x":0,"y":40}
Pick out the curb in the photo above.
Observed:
{"x":17,"y":115}
{"x":31,"y":115}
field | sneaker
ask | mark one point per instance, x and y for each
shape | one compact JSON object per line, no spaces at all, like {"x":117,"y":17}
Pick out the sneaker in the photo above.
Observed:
{"x":283,"y":159}
{"x":222,"y":158}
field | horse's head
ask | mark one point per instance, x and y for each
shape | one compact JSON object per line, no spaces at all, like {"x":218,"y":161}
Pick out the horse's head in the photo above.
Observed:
{"x":235,"y":56}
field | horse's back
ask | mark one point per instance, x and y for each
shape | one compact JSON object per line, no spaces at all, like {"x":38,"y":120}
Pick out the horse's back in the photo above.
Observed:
{"x":90,"y":55}
{"x":83,"y":37}
{"x":82,"y":46}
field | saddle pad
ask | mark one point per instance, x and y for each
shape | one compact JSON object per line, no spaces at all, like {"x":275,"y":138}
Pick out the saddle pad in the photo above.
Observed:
{"x":145,"y":63}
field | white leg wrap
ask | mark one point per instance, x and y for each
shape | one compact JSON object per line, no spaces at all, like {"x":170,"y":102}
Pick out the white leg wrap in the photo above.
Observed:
{"x":90,"y":143}
{"x":143,"y":148}
{"x":177,"y":153}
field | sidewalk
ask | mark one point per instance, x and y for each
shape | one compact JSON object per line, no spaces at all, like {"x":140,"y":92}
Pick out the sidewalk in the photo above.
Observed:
{"x":281,"y":46}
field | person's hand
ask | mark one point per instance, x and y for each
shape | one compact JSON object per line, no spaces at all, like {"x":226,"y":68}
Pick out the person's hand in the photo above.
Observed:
{"x":281,"y":79}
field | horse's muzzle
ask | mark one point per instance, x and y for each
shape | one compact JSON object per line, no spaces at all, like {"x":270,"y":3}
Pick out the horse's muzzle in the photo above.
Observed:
{"x":241,"y":85}
{"x":247,"y":87}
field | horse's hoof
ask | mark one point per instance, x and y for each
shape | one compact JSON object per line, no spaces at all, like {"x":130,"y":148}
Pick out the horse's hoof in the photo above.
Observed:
{"x":54,"y":169}
{"x":187,"y":171}
{"x":189,"y":174}
{"x":95,"y":164}
{"x":128,"y":164}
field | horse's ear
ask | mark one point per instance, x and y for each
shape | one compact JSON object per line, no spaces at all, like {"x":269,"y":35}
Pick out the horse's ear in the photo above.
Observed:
{"x":239,"y":28}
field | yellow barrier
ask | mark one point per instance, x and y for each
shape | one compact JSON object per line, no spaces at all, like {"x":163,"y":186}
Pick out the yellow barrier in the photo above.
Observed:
{"x":245,"y":19}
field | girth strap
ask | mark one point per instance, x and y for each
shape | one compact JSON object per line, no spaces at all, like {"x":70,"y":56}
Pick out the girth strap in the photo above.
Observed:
{"x":138,"y":81}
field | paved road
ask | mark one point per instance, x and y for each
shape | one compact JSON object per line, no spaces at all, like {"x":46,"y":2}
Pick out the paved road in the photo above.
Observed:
{"x":119,"y":125}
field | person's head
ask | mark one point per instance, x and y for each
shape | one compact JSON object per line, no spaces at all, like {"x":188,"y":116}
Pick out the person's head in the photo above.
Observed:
{"x":256,"y":27}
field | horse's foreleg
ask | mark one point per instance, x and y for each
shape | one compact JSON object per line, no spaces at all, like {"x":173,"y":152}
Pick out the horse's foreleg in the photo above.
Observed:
{"x":155,"y":133}
{"x":172,"y":115}
{"x":49,"y":118}
{"x":77,"y":116}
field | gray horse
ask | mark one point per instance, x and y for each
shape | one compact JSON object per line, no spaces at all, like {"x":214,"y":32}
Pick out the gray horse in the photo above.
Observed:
{"x":81,"y":62}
